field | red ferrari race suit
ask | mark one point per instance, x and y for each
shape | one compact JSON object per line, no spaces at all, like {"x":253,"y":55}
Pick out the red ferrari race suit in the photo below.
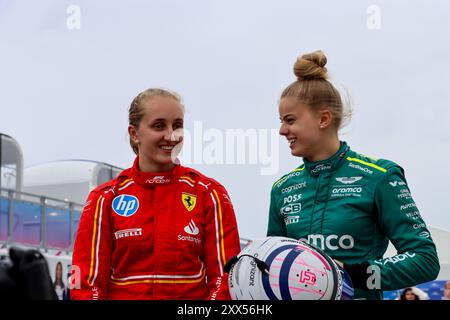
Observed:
{"x":160,"y":235}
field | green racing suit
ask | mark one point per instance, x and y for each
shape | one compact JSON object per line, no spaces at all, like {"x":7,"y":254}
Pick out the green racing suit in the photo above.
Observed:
{"x":350,"y":206}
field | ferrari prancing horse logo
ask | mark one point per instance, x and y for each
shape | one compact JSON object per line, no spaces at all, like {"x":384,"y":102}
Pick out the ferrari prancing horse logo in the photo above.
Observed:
{"x":189,"y":200}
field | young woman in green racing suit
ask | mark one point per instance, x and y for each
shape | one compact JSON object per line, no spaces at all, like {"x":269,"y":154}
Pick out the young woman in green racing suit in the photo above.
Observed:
{"x":343,"y":202}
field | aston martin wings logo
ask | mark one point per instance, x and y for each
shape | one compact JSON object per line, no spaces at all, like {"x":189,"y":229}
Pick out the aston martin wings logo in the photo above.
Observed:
{"x":348,"y":180}
{"x":189,"y":201}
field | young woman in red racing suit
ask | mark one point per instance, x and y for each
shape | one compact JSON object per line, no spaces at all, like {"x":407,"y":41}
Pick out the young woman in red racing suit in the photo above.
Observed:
{"x":159,"y":230}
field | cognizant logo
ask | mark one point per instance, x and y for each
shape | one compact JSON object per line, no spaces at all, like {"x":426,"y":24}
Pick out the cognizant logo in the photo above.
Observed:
{"x":294,"y":187}
{"x":330,"y":242}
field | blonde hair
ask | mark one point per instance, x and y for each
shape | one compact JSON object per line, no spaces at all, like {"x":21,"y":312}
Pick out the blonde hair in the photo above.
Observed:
{"x":136,"y":110}
{"x":313,"y":87}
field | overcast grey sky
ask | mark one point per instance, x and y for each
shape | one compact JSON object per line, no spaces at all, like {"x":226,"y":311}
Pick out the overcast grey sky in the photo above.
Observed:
{"x":69,"y":69}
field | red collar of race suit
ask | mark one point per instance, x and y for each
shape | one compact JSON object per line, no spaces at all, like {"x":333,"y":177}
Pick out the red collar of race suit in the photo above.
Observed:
{"x":153,"y":178}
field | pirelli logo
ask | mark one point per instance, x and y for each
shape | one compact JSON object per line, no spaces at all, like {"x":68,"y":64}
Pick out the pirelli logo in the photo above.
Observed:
{"x":128,"y":233}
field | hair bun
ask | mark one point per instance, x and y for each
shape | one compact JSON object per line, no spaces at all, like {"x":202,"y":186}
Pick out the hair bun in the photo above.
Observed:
{"x":311,"y":66}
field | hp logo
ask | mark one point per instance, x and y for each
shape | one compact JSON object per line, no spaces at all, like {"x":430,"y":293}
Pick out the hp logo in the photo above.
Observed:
{"x":125,"y":205}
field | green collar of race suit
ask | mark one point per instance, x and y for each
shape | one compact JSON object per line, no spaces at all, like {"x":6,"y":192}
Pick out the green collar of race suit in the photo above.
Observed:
{"x":327,"y":165}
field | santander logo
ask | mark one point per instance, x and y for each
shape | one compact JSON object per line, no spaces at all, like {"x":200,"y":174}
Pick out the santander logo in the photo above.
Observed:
{"x":191,"y":228}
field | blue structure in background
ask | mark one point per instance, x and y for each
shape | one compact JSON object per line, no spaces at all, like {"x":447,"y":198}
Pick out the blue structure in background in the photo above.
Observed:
{"x":26,"y":224}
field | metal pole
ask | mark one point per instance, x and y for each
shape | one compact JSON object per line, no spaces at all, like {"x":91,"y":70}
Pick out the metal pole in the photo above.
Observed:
{"x":43,"y":242}
{"x":10,"y":216}
{"x":71,"y":208}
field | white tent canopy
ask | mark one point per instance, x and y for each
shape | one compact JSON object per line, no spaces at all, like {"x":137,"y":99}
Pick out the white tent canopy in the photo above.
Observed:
{"x":70,"y":180}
